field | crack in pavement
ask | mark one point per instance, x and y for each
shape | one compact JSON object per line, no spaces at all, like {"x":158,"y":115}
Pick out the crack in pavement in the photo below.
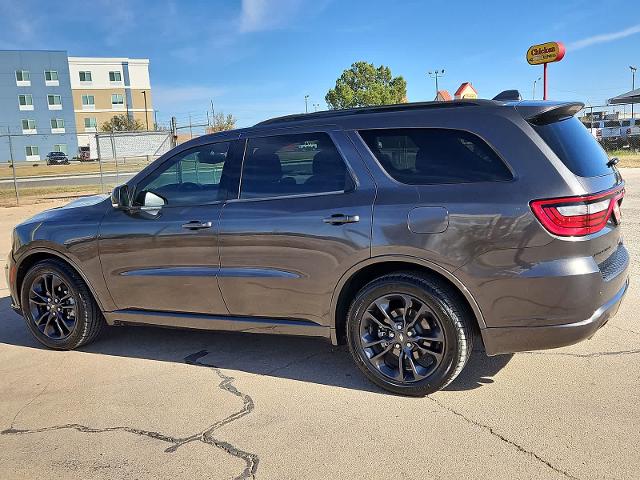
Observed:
{"x":206,"y":436}
{"x":503,"y":439}
{"x":584,"y":355}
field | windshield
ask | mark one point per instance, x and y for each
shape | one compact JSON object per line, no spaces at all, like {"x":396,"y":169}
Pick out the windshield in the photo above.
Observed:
{"x":579,"y":151}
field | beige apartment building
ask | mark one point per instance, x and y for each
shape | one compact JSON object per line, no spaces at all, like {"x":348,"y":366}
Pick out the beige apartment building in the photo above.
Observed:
{"x":105,"y":87}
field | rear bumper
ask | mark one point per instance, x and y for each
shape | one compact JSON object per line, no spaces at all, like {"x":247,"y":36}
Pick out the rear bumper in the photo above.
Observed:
{"x":499,"y":340}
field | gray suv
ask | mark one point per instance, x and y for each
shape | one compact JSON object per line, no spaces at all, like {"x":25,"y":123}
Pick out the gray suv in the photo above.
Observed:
{"x":413,"y":233}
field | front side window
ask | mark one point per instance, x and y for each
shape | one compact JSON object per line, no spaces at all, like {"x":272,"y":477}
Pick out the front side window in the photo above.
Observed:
{"x":425,"y":156}
{"x":57,"y":123}
{"x":193,"y":177}
{"x":117,"y":99}
{"x":88,"y":100}
{"x":293,"y":165}
{"x":25,"y":100}
{"x":50,"y":75}
{"x":85,"y":76}
{"x":115,"y":77}
{"x":54,"y":99}
{"x":28,"y":124}
{"x":23,"y":75}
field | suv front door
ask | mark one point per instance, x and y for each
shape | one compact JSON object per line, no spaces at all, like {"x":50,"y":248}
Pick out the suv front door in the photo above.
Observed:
{"x":162,"y":254}
{"x":302,"y":220}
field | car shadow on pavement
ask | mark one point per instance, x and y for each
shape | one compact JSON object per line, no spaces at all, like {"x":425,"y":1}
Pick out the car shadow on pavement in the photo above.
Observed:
{"x":303,"y":359}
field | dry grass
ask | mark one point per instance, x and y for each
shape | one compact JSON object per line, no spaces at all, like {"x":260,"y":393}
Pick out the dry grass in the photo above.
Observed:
{"x":29,"y":195}
{"x":28,"y":169}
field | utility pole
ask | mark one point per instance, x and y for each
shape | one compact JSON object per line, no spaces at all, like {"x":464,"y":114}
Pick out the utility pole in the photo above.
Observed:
{"x":155,"y":120}
{"x":146,"y":114}
{"x":633,"y":83}
{"x":213,"y":113}
{"x":306,"y":106}
{"x":436,"y":74}
{"x":534,"y":86}
{"x":13,"y":168}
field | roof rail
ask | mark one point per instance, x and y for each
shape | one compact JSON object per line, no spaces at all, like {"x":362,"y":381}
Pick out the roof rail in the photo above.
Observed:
{"x":375,"y":109}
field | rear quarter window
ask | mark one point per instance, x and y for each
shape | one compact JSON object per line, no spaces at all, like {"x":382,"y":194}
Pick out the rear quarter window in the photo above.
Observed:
{"x":572,"y":142}
{"x":425,"y":156}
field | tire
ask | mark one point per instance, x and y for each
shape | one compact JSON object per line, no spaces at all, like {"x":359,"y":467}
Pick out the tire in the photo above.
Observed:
{"x":445,"y":316}
{"x":80,"y":308}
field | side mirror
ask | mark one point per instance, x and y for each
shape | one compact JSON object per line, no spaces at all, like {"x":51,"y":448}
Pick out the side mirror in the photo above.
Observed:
{"x":120,"y":197}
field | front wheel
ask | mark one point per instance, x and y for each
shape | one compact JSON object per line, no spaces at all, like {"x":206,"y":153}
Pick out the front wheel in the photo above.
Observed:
{"x":409,"y":334}
{"x":58,"y":307}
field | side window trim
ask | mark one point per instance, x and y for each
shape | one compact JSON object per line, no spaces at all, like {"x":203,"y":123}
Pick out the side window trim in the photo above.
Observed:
{"x":246,"y":138}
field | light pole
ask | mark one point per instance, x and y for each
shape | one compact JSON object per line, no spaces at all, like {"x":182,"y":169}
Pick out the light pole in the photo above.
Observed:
{"x":435,"y":74}
{"x":633,"y":83}
{"x":316,"y":106}
{"x":306,"y":105}
{"x":146,"y":116}
{"x":534,"y":86}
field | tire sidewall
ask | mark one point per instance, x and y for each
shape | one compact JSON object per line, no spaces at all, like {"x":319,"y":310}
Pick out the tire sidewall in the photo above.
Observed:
{"x":78,"y":295}
{"x":441,"y":375}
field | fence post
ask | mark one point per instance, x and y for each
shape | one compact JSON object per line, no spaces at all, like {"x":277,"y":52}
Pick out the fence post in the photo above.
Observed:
{"x":99,"y":163}
{"x":113,"y":151}
{"x":13,"y":169}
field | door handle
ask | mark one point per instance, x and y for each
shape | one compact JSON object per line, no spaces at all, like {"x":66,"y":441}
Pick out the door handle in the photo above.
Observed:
{"x":340,"y":219}
{"x":196,"y":225}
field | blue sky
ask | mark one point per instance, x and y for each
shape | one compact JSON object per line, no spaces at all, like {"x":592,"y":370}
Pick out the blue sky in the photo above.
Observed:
{"x":259,"y":58}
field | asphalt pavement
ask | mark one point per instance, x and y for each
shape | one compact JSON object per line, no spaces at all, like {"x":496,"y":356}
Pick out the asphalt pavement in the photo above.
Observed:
{"x":143,"y":403}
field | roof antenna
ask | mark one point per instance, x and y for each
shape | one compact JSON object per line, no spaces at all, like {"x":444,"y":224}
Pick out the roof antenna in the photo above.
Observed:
{"x":508,"y":95}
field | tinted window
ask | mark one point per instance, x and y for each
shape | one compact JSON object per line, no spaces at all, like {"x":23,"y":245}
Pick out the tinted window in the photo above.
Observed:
{"x":575,"y":146}
{"x":292,"y":165}
{"x":193,"y":177}
{"x":421,"y":156}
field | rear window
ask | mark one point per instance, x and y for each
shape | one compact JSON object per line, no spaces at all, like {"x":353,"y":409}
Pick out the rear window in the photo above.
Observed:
{"x":575,"y":146}
{"x":424,"y":156}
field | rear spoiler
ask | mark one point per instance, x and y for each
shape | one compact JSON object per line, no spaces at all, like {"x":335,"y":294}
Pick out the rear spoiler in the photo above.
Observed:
{"x":542,"y":113}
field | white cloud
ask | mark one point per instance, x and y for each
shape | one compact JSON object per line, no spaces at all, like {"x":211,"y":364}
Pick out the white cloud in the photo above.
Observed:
{"x":260,"y":15}
{"x":603,"y":38}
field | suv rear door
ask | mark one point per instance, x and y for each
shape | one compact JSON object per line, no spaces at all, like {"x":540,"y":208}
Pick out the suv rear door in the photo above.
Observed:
{"x":302,"y":219}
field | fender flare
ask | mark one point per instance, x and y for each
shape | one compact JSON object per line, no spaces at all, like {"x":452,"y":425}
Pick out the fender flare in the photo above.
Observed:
{"x":406,"y":259}
{"x":65,"y":258}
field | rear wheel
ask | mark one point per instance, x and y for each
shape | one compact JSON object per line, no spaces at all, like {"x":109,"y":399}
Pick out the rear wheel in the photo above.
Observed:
{"x":58,"y":307}
{"x":409,"y":334}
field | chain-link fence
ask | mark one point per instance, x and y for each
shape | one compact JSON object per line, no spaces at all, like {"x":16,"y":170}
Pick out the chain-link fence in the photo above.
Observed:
{"x":616,"y":127}
{"x":33,"y":167}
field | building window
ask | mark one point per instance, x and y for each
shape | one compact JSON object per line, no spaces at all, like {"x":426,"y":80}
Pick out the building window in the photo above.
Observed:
{"x":28,"y":126}
{"x":57,"y":123}
{"x":60,"y":147}
{"x":51,"y":75}
{"x":32,"y":150}
{"x":85,"y":76}
{"x":55,"y":102}
{"x":117,"y":99}
{"x":25,"y":102}
{"x":115,"y":77}
{"x":23,"y":76}
{"x":90,"y":122}
{"x":88,"y":100}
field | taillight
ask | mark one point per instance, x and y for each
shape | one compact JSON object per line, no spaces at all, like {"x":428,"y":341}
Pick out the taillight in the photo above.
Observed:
{"x":578,"y":216}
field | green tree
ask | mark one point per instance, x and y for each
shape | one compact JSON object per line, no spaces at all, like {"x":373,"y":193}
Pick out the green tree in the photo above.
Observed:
{"x":363,"y":84}
{"x":222,"y":122}
{"x":122,"y":123}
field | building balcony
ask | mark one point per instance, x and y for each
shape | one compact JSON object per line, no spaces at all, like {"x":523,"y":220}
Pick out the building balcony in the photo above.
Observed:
{"x":58,"y":130}
{"x":26,"y":107}
{"x":29,"y":131}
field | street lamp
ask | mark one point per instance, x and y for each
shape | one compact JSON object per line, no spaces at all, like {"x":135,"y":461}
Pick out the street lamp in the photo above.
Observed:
{"x":146,"y":117}
{"x":306,"y":106}
{"x":316,"y":106}
{"x":534,"y":86}
{"x":633,"y":83}
{"x":435,"y":74}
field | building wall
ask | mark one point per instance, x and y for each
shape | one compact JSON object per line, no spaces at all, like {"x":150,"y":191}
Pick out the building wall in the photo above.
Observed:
{"x":35,"y":62}
{"x":134,"y":80}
